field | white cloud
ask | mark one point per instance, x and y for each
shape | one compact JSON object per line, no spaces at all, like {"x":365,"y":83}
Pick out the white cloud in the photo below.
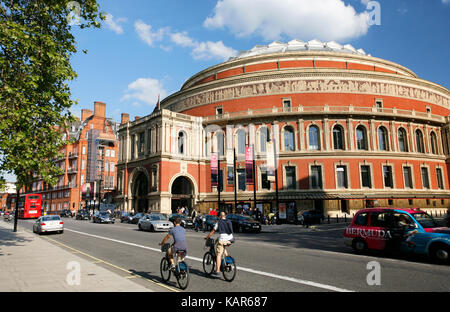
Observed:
{"x":144,"y":90}
{"x":445,"y":1}
{"x":146,"y":34}
{"x":212,"y":50}
{"x":301,"y":19}
{"x":114,"y":24}
{"x":182,"y":39}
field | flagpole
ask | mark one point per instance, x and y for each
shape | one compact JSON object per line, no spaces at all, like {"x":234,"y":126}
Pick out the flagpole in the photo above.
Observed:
{"x":254,"y":176}
{"x":235,"y":180}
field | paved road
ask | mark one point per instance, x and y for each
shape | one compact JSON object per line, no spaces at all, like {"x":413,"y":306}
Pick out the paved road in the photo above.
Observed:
{"x":281,"y":258}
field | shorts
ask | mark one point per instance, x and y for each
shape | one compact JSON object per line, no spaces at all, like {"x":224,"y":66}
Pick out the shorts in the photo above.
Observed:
{"x":170,"y":253}
{"x":220,"y":246}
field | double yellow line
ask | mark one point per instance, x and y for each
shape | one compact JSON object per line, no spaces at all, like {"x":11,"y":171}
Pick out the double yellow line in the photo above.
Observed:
{"x":97,"y":260}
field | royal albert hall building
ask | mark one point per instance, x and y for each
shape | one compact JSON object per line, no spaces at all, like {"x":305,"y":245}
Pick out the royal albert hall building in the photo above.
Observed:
{"x":351,"y":131}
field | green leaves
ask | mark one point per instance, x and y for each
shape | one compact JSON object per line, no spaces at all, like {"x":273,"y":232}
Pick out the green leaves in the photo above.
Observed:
{"x":36,"y":44}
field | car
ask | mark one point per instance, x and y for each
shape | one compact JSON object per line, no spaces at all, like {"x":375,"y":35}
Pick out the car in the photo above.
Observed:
{"x":125,"y":217}
{"x":209,"y":221}
{"x":186,"y":221}
{"x":50,"y":223}
{"x":66,"y":213}
{"x":8,"y":216}
{"x":82,"y":215}
{"x":135,"y":219}
{"x":406,"y":231}
{"x":310,"y":217}
{"x":103,"y":217}
{"x":155,"y":222}
{"x":243,"y":223}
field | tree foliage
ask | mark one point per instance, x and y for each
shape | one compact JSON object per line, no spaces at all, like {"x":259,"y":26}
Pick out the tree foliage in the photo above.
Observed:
{"x":36,"y":43}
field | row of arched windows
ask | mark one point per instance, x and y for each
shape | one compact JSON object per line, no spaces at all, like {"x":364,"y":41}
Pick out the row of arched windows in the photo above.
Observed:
{"x":338,"y":137}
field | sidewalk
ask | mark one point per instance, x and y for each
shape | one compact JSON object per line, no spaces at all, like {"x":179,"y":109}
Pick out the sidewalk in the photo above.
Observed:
{"x":29,"y":263}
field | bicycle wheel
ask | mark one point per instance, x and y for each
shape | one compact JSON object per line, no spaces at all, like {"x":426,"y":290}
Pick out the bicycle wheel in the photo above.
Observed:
{"x":209,"y":263}
{"x":229,"y":270}
{"x":165,"y":269}
{"x":183,"y":275}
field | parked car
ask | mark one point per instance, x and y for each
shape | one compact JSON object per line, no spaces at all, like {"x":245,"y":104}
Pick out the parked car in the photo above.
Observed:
{"x":125,"y":217}
{"x":209,"y":222}
{"x":155,"y":222}
{"x":8,"y":216}
{"x":135,"y":219}
{"x":83,"y":215}
{"x":186,"y":221}
{"x":103,"y":217}
{"x":50,"y":223}
{"x":410,"y":231}
{"x":242,"y":223}
{"x":310,"y":217}
{"x":66,"y":213}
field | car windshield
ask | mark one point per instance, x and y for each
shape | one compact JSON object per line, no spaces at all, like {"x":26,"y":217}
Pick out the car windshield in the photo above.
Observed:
{"x":51,"y":218}
{"x":104,"y":214}
{"x":243,"y":218}
{"x":425,"y":220}
{"x":158,"y":217}
{"x":139,"y":215}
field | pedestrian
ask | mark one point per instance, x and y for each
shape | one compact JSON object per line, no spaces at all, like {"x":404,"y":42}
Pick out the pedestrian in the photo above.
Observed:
{"x":186,"y":211}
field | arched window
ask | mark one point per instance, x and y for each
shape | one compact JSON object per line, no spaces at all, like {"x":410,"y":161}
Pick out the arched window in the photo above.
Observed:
{"x":434,"y":146}
{"x":314,"y":141}
{"x":383,"y":141}
{"x":419,"y":142}
{"x":289,"y":143}
{"x":361,"y":138}
{"x":220,"y":141}
{"x":181,"y":142}
{"x":338,"y":138}
{"x":263,"y":139}
{"x":241,"y":140}
{"x":402,"y":140}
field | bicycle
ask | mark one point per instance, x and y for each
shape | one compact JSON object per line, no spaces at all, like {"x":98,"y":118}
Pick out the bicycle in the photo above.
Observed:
{"x":181,"y":270}
{"x":228,"y":265}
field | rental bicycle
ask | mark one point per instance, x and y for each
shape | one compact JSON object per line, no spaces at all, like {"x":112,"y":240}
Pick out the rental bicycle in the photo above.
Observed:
{"x":181,"y":270}
{"x":228,"y":265}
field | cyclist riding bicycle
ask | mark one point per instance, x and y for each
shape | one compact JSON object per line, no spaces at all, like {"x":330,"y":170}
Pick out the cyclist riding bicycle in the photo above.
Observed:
{"x":179,"y":238}
{"x":225,"y":229}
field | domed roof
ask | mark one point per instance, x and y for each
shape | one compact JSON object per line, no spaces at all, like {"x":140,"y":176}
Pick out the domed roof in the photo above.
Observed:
{"x":298,"y":45}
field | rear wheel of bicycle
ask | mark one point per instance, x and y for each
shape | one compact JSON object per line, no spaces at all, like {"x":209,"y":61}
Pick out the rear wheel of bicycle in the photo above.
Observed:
{"x":229,"y":271}
{"x":165,"y":269}
{"x":183,"y":277}
{"x":208,"y":263}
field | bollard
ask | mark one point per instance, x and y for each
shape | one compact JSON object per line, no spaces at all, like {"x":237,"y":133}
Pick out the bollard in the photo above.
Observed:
{"x":345,"y":218}
{"x":337,"y":219}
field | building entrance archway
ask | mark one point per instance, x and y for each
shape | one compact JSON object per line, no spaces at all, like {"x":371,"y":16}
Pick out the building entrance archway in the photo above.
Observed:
{"x":140,"y":192}
{"x":182,"y":193}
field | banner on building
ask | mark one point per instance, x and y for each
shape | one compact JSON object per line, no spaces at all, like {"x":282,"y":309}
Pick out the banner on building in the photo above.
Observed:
{"x":249,"y":164}
{"x":282,"y":210}
{"x":270,"y":165}
{"x":214,"y":169}
{"x":230,"y":167}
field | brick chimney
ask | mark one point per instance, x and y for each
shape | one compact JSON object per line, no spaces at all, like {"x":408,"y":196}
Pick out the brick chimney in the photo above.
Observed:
{"x":99,"y":109}
{"x":85,"y":113}
{"x":136,"y":118}
{"x":125,"y":118}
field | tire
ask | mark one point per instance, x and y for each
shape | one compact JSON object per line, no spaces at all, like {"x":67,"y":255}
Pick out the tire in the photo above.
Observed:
{"x":229,"y":271}
{"x":440,"y":253}
{"x":183,"y":277}
{"x":359,"y":245}
{"x":140,"y":227}
{"x":209,"y":263}
{"x":165,"y":269}
{"x":152,"y":229}
{"x":61,"y":232}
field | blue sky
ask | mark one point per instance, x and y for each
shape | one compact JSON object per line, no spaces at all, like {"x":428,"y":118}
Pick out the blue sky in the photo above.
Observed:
{"x":146,"y":48}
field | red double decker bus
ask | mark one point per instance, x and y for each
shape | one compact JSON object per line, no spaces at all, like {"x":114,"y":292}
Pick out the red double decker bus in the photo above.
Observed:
{"x":30,"y":206}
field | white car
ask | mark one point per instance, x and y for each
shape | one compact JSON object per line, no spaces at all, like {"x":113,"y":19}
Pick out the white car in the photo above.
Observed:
{"x":155,"y":222}
{"x":47,"y":224}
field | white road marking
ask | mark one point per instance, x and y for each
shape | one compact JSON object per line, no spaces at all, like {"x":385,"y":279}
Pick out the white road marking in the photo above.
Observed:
{"x":286,"y":278}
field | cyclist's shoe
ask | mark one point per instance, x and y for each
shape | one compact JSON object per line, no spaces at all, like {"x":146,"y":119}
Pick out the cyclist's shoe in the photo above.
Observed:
{"x":216,"y":275}
{"x":172,"y":267}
